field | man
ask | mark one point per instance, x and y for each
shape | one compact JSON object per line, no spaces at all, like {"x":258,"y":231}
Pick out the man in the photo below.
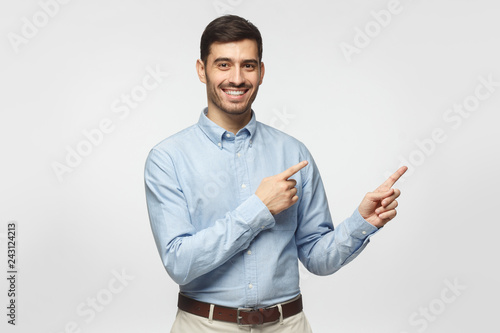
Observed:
{"x":234,"y":203}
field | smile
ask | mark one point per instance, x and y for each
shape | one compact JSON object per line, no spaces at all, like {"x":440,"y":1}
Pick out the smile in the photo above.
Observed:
{"x":235,"y":92}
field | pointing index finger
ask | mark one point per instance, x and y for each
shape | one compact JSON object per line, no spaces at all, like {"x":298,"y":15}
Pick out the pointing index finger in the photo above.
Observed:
{"x":393,"y":178}
{"x":292,"y":170}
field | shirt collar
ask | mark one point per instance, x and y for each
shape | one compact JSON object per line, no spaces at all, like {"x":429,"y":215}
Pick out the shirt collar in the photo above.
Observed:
{"x":216,"y":133}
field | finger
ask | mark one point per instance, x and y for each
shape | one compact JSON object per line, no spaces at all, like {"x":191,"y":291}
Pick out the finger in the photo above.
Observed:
{"x":377,"y":196}
{"x":291,"y":183}
{"x":292,"y":170}
{"x":387,"y":216}
{"x":390,"y":199}
{"x":393,"y":178}
{"x":387,"y":208}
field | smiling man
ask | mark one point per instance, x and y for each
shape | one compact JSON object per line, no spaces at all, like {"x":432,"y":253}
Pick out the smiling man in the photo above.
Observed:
{"x":235,"y":204}
{"x":232,"y":72}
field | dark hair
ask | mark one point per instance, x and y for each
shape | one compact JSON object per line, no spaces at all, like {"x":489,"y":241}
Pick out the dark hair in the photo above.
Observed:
{"x":228,"y":28}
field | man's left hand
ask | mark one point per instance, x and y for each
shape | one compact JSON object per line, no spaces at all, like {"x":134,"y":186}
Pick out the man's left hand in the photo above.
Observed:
{"x":379,"y":207}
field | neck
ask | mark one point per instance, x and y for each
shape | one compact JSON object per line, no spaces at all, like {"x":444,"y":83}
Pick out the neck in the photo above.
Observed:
{"x":230,"y":122}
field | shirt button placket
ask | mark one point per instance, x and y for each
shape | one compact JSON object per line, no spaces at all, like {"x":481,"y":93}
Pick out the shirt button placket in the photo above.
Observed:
{"x":245,"y":192}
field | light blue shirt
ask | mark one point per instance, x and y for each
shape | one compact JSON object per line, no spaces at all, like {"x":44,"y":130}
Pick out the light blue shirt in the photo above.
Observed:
{"x":217,"y":239}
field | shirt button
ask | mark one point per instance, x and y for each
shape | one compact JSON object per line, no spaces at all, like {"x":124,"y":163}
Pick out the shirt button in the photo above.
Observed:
{"x":250,"y":286}
{"x":228,"y":135}
{"x":363,"y":232}
{"x":249,"y":252}
{"x":219,"y":144}
{"x":239,"y":154}
{"x":243,"y":186}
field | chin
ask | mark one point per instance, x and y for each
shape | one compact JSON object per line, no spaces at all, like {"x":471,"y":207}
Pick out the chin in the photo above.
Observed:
{"x":235,"y":112}
{"x":230,"y":109}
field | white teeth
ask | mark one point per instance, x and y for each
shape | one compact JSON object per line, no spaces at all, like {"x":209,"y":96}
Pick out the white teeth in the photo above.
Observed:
{"x":234,"y":92}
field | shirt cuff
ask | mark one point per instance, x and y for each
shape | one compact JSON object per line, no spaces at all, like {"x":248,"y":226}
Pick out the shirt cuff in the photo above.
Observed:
{"x":255,"y":214}
{"x":359,"y":228}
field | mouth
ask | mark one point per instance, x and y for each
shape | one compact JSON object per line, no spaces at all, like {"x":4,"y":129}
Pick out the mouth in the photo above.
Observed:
{"x":235,"y":92}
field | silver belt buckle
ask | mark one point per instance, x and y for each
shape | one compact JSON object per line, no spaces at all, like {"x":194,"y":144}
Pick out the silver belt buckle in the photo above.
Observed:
{"x":253,"y":314}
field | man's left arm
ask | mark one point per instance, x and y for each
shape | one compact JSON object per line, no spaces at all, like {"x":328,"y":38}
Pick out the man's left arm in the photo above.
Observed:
{"x":324,"y":249}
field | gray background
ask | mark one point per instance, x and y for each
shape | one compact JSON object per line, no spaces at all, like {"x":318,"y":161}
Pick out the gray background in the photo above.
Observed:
{"x":360,"y":116}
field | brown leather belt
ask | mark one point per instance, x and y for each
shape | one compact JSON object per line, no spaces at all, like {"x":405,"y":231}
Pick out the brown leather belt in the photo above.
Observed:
{"x":240,"y":316}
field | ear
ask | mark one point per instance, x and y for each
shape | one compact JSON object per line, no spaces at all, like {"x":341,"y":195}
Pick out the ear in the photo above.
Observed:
{"x":262,"y":70}
{"x":200,"y":68}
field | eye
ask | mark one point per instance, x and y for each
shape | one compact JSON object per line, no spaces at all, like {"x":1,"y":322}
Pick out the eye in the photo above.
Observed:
{"x":249,"y":66}
{"x":223,"y":65}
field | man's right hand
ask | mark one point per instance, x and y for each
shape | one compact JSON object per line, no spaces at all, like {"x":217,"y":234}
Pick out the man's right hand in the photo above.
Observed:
{"x":278,"y":192}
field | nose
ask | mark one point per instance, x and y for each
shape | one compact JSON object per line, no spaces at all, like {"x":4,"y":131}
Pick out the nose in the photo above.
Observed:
{"x":236,"y":76}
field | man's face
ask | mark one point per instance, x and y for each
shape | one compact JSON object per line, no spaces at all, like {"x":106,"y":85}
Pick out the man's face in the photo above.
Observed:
{"x":232,"y":74}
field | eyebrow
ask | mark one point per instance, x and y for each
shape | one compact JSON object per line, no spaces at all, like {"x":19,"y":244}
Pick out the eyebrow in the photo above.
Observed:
{"x":246,"y":61}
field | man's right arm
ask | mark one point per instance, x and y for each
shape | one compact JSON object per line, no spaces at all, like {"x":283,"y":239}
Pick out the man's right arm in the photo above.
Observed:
{"x":188,"y":253}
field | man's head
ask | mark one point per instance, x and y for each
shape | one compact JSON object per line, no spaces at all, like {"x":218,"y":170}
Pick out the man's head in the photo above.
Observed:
{"x":231,"y":67}
{"x":229,"y":28}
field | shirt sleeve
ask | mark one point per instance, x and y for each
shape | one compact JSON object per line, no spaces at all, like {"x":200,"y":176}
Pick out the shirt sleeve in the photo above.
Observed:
{"x":188,"y":253}
{"x":322,"y":248}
